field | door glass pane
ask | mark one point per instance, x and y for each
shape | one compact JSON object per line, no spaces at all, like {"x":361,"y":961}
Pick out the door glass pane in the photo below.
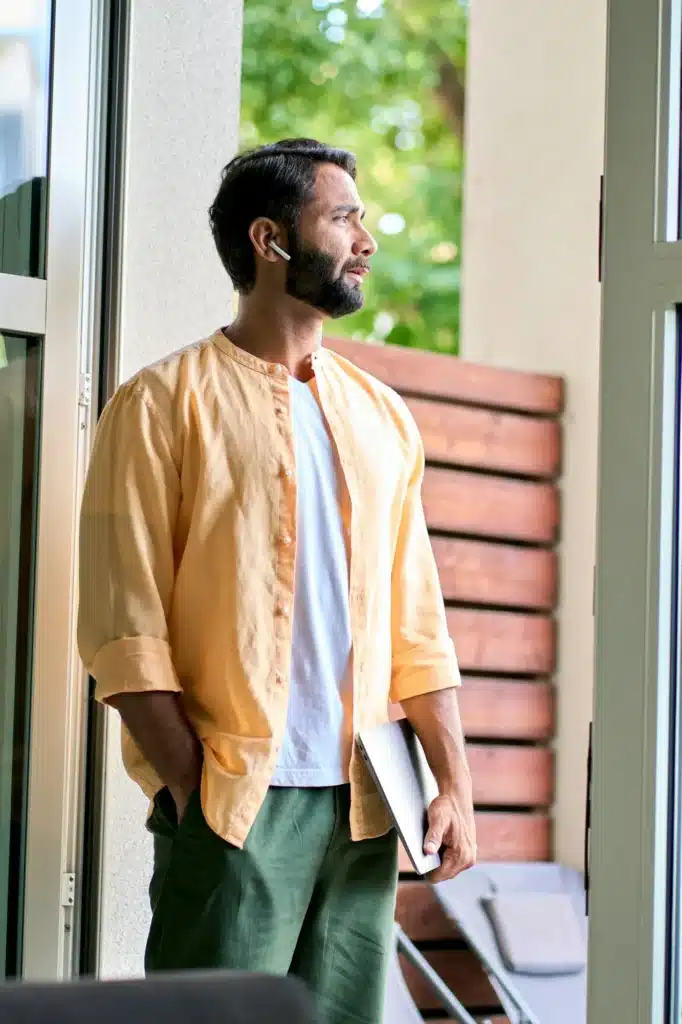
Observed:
{"x":24,"y":104}
{"x":20,"y":373}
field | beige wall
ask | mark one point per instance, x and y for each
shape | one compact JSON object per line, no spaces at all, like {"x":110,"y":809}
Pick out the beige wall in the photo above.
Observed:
{"x":530,"y":294}
{"x":181,"y":129}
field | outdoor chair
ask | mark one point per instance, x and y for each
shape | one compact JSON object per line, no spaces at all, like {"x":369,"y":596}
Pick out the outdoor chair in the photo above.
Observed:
{"x":532,"y":914}
{"x":399,"y":1006}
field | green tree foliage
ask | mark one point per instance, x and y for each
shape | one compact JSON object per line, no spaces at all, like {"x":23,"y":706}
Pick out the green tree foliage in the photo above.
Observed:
{"x":385,"y":79}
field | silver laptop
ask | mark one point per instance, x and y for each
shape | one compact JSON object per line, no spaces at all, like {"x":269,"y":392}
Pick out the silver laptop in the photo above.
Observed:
{"x":397,"y":762}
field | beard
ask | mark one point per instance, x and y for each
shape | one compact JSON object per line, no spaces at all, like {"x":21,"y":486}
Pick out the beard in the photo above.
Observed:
{"x":312,"y":278}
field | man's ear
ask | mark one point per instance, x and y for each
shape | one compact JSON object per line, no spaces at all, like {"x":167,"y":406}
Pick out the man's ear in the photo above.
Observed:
{"x":262,"y":232}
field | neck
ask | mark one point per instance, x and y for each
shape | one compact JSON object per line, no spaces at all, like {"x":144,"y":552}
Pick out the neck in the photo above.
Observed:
{"x":278,"y":330}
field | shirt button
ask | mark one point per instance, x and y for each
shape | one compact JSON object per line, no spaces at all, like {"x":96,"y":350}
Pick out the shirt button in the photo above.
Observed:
{"x":279,"y":679}
{"x":281,"y":609}
{"x":285,"y":539}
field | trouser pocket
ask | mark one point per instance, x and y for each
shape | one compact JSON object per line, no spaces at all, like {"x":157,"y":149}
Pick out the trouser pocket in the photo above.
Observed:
{"x":163,"y":824}
{"x":163,"y":821}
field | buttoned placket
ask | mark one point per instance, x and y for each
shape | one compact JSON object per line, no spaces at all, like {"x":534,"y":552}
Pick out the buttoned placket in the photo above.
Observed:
{"x":285,"y":540}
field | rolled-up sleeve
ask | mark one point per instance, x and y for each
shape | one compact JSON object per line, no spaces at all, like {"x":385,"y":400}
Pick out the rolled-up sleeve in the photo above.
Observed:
{"x":126,"y":570}
{"x":423,"y":655}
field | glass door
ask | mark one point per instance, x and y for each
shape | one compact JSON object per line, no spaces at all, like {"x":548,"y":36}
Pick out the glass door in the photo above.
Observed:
{"x":50,"y":82}
{"x":635,"y":850}
{"x":20,"y":385}
{"x":25,"y":43}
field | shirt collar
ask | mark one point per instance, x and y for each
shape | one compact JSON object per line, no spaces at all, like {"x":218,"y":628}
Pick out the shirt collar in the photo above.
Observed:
{"x":240,"y":355}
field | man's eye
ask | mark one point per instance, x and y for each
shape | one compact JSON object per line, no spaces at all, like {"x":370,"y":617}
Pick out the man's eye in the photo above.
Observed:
{"x":342,"y":217}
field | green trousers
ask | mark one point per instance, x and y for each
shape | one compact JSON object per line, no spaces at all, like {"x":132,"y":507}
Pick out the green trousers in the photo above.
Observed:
{"x":299,"y":898}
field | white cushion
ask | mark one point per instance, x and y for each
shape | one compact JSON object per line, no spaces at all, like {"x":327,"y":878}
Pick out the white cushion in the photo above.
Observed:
{"x":537,"y":933}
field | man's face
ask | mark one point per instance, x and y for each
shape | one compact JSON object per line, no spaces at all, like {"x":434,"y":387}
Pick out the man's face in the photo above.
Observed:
{"x":331,"y":250}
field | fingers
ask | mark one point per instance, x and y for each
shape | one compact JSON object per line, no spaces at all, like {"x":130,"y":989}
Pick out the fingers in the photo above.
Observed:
{"x":455,"y":859}
{"x":448,"y":868}
{"x":434,"y":837}
{"x":452,"y":833}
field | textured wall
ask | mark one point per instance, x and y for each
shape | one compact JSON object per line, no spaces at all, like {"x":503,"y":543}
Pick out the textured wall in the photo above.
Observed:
{"x":182,"y":128}
{"x":531,"y":300}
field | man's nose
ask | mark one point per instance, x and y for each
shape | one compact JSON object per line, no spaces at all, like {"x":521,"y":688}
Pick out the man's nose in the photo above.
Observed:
{"x":365,"y":245}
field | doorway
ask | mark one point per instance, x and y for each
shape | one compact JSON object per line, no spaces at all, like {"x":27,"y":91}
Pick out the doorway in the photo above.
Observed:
{"x":49,"y":88}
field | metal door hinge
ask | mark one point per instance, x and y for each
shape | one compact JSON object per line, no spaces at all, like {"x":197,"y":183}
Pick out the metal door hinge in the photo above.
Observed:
{"x":85,"y":390}
{"x":68,"y":893}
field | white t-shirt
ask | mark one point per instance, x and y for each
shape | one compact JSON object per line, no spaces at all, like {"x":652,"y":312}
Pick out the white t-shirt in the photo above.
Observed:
{"x":317,"y":742}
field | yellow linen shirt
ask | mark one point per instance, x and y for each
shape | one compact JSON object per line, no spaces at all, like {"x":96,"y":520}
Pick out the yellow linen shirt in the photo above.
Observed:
{"x":187,"y":557}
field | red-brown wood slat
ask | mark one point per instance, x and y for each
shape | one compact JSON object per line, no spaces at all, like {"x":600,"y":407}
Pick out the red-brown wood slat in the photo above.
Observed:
{"x":478,"y":572}
{"x":487,"y":506}
{"x":507,"y":836}
{"x":507,"y":709}
{"x":426,"y":373}
{"x":511,"y":776}
{"x":420,"y":914}
{"x":502,"y":709}
{"x":503,"y":641}
{"x":498,"y":441}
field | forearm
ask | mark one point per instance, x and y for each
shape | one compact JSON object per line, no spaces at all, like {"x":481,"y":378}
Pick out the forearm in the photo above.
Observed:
{"x":159,"y":725}
{"x":436,"y":720}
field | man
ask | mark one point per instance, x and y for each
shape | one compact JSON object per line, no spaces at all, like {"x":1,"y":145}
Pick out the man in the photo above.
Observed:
{"x":256,"y":582}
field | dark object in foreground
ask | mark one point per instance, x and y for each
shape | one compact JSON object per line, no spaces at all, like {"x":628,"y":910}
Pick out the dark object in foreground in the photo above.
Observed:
{"x":196,"y":997}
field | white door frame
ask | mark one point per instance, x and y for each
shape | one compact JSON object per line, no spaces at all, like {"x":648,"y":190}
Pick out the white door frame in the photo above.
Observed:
{"x":636,"y":628}
{"x":62,"y":309}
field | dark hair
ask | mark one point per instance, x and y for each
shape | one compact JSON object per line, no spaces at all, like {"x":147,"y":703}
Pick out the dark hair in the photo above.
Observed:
{"x":274,"y":181}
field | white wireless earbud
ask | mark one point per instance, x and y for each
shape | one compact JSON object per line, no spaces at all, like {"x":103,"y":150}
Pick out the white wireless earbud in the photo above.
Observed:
{"x":280,"y":252}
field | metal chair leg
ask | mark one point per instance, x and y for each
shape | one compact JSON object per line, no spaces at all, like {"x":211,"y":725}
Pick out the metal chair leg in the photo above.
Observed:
{"x":450,"y":1002}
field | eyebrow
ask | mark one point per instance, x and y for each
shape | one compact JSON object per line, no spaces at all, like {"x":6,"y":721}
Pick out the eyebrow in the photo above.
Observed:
{"x":350,"y":208}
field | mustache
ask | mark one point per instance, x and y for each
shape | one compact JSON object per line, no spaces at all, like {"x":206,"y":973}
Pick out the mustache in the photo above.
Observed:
{"x":356,"y":265}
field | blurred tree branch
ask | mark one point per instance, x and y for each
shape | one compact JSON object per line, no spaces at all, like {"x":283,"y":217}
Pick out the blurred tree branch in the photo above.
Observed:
{"x":450,"y":90}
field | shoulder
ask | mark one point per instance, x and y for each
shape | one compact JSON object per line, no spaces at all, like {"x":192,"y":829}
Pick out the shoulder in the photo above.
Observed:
{"x":389,"y":405}
{"x":177,"y":372}
{"x":157,"y":398}
{"x":161,"y":389}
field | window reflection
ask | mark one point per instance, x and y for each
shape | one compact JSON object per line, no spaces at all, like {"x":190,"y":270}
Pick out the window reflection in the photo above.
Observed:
{"x":24,"y":114}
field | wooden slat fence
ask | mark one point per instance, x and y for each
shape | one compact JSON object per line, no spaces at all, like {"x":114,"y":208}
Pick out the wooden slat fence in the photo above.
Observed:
{"x":493,"y":447}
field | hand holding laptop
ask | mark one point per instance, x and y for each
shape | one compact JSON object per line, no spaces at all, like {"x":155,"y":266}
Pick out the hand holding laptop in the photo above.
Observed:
{"x":431,"y":825}
{"x":452,"y":833}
